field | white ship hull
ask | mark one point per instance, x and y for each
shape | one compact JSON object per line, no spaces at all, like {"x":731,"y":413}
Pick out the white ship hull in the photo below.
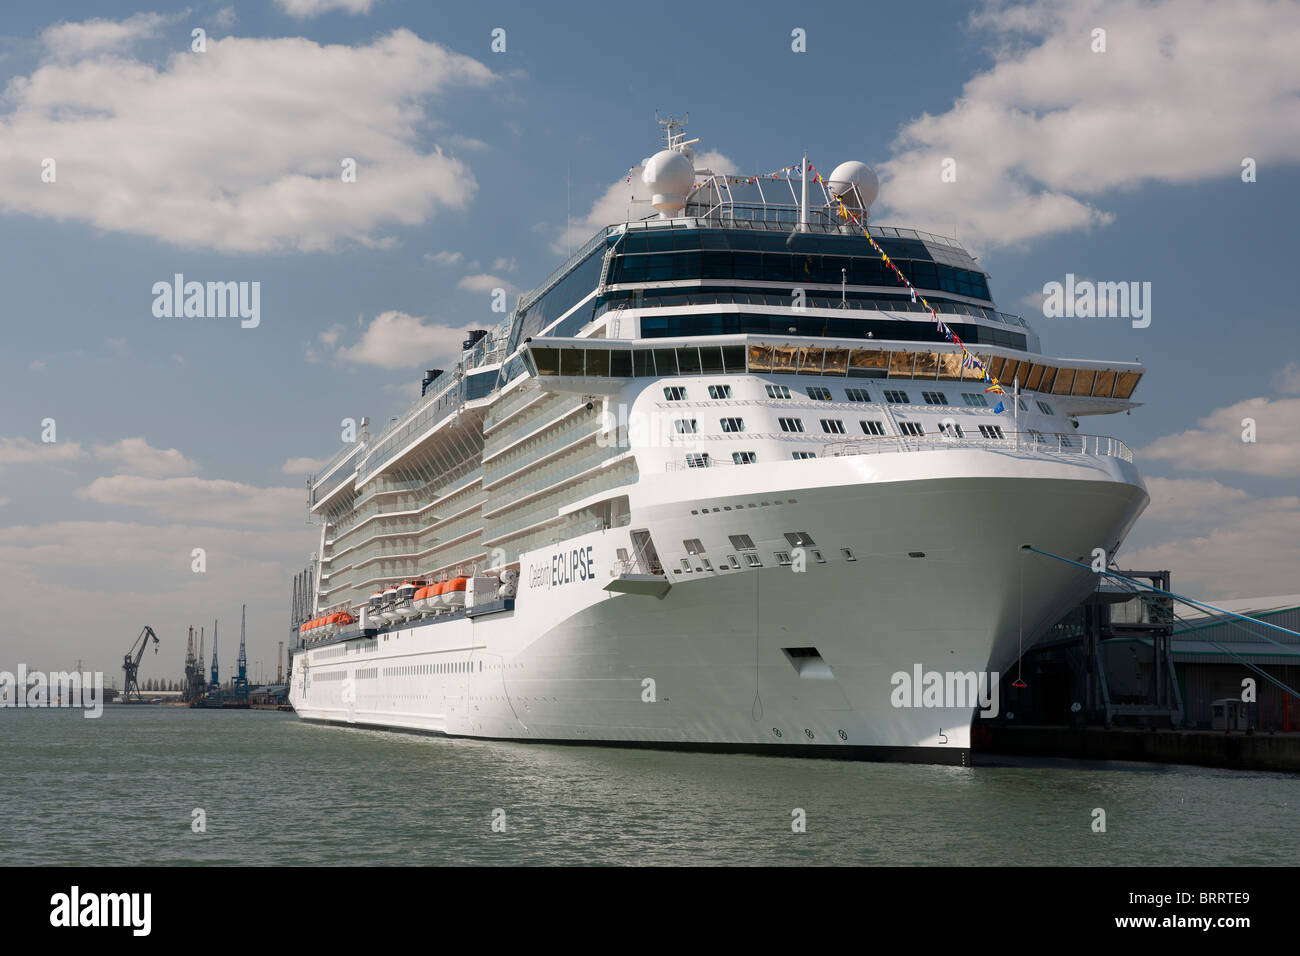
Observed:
{"x":707,"y":666}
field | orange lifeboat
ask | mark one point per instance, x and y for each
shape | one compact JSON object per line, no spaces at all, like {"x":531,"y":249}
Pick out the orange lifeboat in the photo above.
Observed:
{"x":454,"y":595}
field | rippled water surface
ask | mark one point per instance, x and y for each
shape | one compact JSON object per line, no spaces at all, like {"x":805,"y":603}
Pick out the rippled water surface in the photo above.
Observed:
{"x":122,"y":789}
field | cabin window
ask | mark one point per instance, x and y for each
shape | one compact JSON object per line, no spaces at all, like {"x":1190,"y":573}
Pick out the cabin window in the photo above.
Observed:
{"x":935,"y":398}
{"x":895,"y":397}
{"x":778,"y":391}
{"x":872,"y":427}
{"x":791,"y":424}
{"x":675,"y":393}
{"x":719,"y":391}
{"x":733,"y":424}
{"x":857,"y":395}
{"x":819,"y":394}
{"x":975,"y":400}
{"x":991,"y":431}
{"x":911,"y":428}
{"x":743,"y":457}
{"x":832,"y":426}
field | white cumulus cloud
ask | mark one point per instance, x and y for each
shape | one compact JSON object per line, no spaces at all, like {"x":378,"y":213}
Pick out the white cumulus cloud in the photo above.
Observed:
{"x":239,"y":149}
{"x":304,"y":9}
{"x":1183,"y":93}
{"x":136,"y":456}
{"x":398,"y":340}
{"x":1216,"y":444}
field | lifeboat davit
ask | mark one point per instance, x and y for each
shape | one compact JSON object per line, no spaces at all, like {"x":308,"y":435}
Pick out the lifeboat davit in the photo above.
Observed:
{"x":454,"y":594}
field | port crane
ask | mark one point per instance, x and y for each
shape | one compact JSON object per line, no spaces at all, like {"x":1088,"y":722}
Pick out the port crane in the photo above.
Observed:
{"x":131,"y":663}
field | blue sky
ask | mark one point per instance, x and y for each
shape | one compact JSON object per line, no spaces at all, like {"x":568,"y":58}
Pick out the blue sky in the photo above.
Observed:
{"x":1115,"y":165}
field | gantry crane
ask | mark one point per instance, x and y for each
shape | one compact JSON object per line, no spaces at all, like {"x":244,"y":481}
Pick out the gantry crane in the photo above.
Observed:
{"x":131,"y":663}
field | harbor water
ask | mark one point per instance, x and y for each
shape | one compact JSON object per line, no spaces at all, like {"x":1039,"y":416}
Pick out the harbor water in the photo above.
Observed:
{"x":271,"y":789}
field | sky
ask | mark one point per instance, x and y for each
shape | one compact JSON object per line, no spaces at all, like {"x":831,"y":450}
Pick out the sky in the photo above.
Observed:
{"x":490,"y":138}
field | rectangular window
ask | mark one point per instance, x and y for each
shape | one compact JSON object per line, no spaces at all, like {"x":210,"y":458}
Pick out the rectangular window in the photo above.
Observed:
{"x":742,"y":542}
{"x":857,"y":395}
{"x":1045,"y":408}
{"x":872,"y":428}
{"x":719,"y":391}
{"x":693,"y":546}
{"x":686,"y":426}
{"x":935,"y":398}
{"x":951,"y":429}
{"x":791,"y":424}
{"x":799,"y":539}
{"x":802,"y":455}
{"x":753,"y":560}
{"x":733,"y":561}
{"x":911,"y":428}
{"x":743,"y":457}
{"x":733,"y":424}
{"x":848,"y":554}
{"x":782,"y":558}
{"x":975,"y":400}
{"x":675,"y":393}
{"x":832,"y":426}
{"x":991,"y":431}
{"x":895,"y":398}
{"x":778,"y":391}
{"x":819,"y":394}
{"x":697,"y":461}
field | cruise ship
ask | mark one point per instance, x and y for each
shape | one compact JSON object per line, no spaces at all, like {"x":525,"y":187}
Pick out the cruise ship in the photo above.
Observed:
{"x":721,"y":482}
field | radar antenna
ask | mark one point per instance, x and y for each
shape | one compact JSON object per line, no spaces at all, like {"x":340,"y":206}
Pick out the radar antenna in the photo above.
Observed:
{"x":673,"y":132}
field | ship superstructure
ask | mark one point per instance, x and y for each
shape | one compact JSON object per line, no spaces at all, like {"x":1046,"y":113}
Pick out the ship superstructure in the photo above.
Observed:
{"x":715,"y":483}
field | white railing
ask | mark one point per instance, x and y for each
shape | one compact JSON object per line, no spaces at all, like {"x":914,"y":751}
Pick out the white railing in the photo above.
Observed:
{"x":1056,"y":443}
